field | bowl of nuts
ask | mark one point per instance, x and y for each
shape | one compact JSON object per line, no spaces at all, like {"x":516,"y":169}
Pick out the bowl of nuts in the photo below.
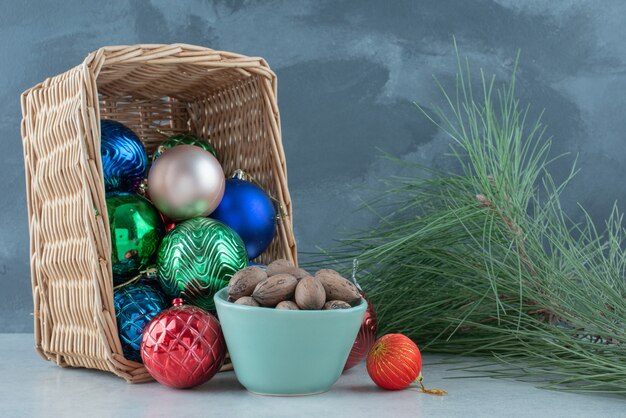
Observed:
{"x":289,"y":332}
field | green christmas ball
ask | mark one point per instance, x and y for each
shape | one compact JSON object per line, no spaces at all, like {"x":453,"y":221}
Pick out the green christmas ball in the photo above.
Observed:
{"x":197,"y":258}
{"x":183,"y":139}
{"x":136,"y":232}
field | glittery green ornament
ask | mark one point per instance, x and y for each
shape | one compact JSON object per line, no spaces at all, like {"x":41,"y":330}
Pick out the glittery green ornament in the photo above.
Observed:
{"x":136,"y":231}
{"x":183,"y":139}
{"x":197,"y":258}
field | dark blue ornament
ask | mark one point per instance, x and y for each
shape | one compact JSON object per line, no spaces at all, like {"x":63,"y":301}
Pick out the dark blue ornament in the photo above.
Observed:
{"x":248,"y":210}
{"x":135,"y":306}
{"x":124,"y":159}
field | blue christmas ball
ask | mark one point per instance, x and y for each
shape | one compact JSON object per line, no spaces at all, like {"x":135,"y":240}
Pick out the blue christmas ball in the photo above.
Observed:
{"x":135,"y":306}
{"x":248,"y":210}
{"x":124,"y":159}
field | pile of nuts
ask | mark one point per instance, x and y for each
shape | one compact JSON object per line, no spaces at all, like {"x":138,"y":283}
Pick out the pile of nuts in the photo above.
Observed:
{"x":284,"y":286}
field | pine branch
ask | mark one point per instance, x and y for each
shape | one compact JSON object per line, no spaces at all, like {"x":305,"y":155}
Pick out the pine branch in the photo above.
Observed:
{"x":487,"y":262}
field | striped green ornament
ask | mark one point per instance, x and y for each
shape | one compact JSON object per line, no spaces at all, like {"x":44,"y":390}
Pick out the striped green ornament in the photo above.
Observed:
{"x":197,"y":258}
{"x":183,"y":139}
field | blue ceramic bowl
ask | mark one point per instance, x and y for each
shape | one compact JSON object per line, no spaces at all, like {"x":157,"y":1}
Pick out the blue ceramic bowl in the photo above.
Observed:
{"x":282,"y":352}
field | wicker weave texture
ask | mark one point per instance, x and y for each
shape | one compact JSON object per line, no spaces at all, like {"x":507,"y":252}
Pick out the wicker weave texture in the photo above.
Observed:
{"x":226,"y":98}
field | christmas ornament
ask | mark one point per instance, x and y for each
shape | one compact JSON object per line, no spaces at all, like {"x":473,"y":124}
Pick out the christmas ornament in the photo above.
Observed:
{"x":149,"y":276}
{"x":168,"y":224}
{"x":394,"y":362}
{"x":135,"y":306}
{"x":183,"y":139}
{"x":183,"y":346}
{"x":366,"y":336}
{"x":185,"y":182}
{"x":136,"y":231}
{"x":197,"y":258}
{"x":124,"y":160}
{"x":248,"y":210}
{"x":142,"y":189}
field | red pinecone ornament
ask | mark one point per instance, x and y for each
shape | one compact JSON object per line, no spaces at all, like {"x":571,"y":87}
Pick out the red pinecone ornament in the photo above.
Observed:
{"x":366,"y":336}
{"x":183,"y":346}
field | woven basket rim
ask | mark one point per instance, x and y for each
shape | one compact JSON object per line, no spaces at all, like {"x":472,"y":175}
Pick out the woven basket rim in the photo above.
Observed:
{"x":109,"y":53}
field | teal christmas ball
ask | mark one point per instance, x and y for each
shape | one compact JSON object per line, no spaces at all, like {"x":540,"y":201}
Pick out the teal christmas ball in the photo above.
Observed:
{"x":135,"y":306}
{"x":136,"y":232}
{"x":197,"y":258}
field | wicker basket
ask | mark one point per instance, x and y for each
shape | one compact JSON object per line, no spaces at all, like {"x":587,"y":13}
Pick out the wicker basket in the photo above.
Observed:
{"x":227,"y":98}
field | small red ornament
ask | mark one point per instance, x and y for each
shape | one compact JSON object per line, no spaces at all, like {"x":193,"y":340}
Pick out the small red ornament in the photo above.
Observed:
{"x":394,"y":362}
{"x":168,"y":224}
{"x":183,"y":346}
{"x":366,"y":336}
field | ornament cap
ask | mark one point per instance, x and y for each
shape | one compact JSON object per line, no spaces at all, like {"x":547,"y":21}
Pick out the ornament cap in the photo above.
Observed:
{"x":177,"y":302}
{"x":239,"y":174}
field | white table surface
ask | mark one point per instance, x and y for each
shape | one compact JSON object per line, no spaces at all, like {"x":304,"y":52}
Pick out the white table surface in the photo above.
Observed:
{"x":32,"y":387}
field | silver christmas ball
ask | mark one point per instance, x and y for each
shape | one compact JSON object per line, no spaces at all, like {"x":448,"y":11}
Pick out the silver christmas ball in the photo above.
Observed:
{"x":186,"y":182}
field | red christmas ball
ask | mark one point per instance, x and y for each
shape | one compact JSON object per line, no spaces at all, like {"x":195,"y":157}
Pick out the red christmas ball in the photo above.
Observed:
{"x":394,"y":362}
{"x":167,"y":223}
{"x":365,"y":338}
{"x":183,"y":346}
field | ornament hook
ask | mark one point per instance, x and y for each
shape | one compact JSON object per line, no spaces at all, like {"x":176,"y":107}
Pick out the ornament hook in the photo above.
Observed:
{"x":355,"y":267}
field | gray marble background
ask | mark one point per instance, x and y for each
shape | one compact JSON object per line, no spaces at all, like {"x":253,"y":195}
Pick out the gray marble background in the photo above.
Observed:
{"x":349,"y":72}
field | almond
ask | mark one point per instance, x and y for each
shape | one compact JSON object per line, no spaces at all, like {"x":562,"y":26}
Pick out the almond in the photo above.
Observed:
{"x":244,"y":281}
{"x":275,"y":289}
{"x":310,"y":293}
{"x":288,"y":305}
{"x":336,"y":287}
{"x":247,"y":300}
{"x":336,"y":304}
